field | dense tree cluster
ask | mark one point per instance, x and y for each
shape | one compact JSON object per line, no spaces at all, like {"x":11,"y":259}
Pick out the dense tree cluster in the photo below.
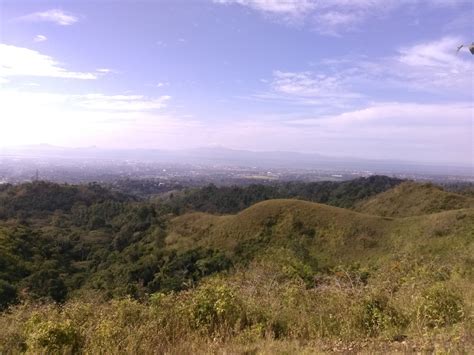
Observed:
{"x":38,"y":197}
{"x":232,"y":199}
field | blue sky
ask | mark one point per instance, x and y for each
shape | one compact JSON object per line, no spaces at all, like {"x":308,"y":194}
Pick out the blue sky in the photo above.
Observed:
{"x":365,"y":78}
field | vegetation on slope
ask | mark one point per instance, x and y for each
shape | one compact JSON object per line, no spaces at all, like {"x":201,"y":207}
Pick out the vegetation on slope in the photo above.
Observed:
{"x":412,"y":199}
{"x":121,"y":276}
{"x":325,"y":233}
{"x":35,"y":198}
{"x":232,"y":199}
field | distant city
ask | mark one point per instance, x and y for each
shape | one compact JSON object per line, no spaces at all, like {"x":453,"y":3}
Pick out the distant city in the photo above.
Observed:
{"x":167,"y":170}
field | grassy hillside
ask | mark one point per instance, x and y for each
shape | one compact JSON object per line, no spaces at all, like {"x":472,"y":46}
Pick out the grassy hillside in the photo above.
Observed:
{"x":412,"y":199}
{"x":282,"y":276}
{"x":329,"y":234}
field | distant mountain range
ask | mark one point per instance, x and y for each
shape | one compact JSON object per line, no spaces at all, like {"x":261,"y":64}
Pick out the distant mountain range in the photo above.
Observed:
{"x":220,"y":156}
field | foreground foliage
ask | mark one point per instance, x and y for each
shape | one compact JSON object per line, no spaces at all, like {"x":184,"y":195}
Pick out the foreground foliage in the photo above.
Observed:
{"x":264,"y":309}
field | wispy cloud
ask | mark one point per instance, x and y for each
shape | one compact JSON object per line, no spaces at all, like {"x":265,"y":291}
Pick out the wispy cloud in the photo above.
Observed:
{"x":430,"y":67}
{"x":56,"y":16}
{"x":111,"y":120}
{"x":311,"y":85}
{"x":286,"y":7}
{"x":308,"y":88}
{"x":331,"y":17}
{"x":335,"y":16}
{"x":343,"y":104}
{"x":40,"y":38}
{"x":435,"y":65}
{"x":326,"y":16}
{"x":130,"y":103}
{"x":436,"y":132}
{"x":392,"y":114}
{"x":105,"y":70}
{"x":19,"y":61}
{"x":434,"y":54}
{"x":388,"y":130}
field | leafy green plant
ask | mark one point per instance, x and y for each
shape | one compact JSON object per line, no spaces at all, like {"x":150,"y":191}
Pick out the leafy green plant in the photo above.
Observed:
{"x":440,"y":307}
{"x":50,"y":336}
{"x":213,"y":306}
{"x":376,"y":315}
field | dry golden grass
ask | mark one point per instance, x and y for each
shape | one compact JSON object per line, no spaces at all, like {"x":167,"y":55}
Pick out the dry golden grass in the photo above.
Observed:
{"x":413,"y":199}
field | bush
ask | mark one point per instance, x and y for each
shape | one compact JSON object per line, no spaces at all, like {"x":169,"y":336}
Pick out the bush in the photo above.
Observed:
{"x":115,"y":324}
{"x":8,"y":294}
{"x":46,"y":284}
{"x":376,"y":316}
{"x":215,"y":306}
{"x":440,"y":307}
{"x":50,"y":336}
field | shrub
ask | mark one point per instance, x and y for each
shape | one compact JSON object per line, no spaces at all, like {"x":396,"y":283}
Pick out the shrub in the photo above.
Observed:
{"x":376,"y":316}
{"x":8,"y":294}
{"x":215,"y":306}
{"x":50,"y":336}
{"x":440,"y":307}
{"x":115,"y":323}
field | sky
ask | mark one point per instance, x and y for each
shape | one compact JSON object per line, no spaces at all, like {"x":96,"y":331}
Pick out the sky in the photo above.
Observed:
{"x":363,"y":78}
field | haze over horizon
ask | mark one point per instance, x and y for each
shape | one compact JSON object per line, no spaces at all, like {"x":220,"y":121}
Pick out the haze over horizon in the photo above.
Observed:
{"x":213,"y":154}
{"x":365,"y":78}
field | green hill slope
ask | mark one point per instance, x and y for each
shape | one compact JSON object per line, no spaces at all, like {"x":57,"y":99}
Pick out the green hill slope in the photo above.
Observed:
{"x":329,"y":234}
{"x":40,"y":197}
{"x":233,"y":199}
{"x":281,"y":275}
{"x":411,"y":199}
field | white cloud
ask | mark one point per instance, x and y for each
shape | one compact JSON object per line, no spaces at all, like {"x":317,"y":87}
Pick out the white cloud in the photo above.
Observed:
{"x":397,"y":130}
{"x":397,"y":114}
{"x":343,"y":105}
{"x":308,"y":84}
{"x":435,"y":54}
{"x":435,"y":66}
{"x":81,"y":119}
{"x":286,"y":7}
{"x":130,"y":103}
{"x":333,"y":19}
{"x":40,"y":38}
{"x":332,"y":16}
{"x":326,"y":16}
{"x":316,"y":89}
{"x":56,"y":16}
{"x":431,"y":67}
{"x":392,"y":130}
{"x":18,"y":61}
{"x":322,"y":90}
{"x":388,"y":130}
{"x":104,"y":70}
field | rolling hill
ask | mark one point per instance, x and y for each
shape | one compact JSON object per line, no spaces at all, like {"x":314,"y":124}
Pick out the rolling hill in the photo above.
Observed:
{"x":332,"y":234}
{"x":412,"y":199}
{"x":97,"y":272}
